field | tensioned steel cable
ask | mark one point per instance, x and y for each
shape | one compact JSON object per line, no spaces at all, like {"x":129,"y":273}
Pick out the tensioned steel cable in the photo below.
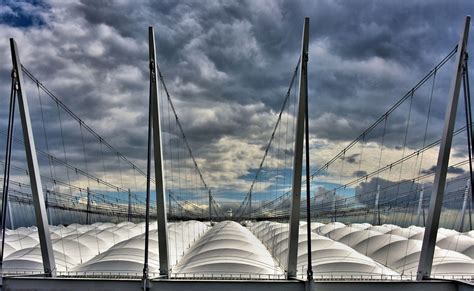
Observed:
{"x":160,"y":76}
{"x":8,"y":154}
{"x":383,"y":116}
{"x":426,"y":78}
{"x":470,"y":138}
{"x":240,"y":210}
{"x":369,"y":175}
{"x":148,"y":170}
{"x":78,"y":119}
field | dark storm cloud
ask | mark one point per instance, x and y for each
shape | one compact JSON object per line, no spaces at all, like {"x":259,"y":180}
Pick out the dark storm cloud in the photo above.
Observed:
{"x":407,"y":192}
{"x":359,"y":173}
{"x":451,"y":170}
{"x":351,"y":159}
{"x":228,"y":64}
{"x":390,"y":192}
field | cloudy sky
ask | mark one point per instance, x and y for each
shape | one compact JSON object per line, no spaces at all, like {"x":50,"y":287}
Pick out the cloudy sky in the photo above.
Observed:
{"x":227,"y":65}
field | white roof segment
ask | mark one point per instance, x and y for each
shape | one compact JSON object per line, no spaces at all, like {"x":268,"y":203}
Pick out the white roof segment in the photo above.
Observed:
{"x":399,"y":248}
{"x":461,"y":243}
{"x":97,"y":248}
{"x":328,"y":256}
{"x":228,"y":248}
{"x":128,"y":255}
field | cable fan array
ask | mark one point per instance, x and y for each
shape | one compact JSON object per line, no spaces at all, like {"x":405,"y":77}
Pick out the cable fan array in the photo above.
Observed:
{"x":385,"y":174}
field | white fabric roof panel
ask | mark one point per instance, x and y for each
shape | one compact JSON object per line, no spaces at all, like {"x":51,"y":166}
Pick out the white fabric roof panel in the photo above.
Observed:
{"x":128,"y":255}
{"x":328,"y":256}
{"x":97,"y":248}
{"x":399,"y":248}
{"x":461,"y":243}
{"x":228,"y":248}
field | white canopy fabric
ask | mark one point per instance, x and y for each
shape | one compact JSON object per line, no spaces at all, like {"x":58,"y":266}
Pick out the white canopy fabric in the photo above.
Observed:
{"x":399,"y":248}
{"x":228,"y":248}
{"x":126,"y":257}
{"x":328,"y":256}
{"x":459,"y":242}
{"x":258,"y":248}
{"x":101,"y":247}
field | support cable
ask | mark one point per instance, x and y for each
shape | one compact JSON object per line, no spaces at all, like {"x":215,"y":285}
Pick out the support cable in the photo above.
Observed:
{"x":8,"y":154}
{"x":470,"y":138}
{"x":46,"y":140}
{"x":308,"y":182}
{"x":393,"y":108}
{"x":295,"y":72}
{"x":382,"y":118}
{"x":78,"y":119}
{"x":148,"y":194}
{"x":160,"y":76}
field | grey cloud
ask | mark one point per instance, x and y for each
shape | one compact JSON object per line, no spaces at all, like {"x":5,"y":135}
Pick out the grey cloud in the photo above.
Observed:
{"x":351,"y":159}
{"x":235,"y":60}
{"x":451,"y":170}
{"x":359,"y":173}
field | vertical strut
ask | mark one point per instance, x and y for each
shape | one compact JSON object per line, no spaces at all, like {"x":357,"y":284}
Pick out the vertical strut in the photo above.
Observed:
{"x":250,"y":205}
{"x":158,"y":161}
{"x":33,"y":168}
{"x":460,"y":220}
{"x":46,"y":204}
{"x":88,"y":206}
{"x":169,"y":204}
{"x":467,"y":99}
{"x":309,"y":271}
{"x":129,"y":216}
{"x":210,"y":205}
{"x":298,"y":159}
{"x":432,"y":223}
{"x":419,"y":218}
{"x":146,"y":285}
{"x":6,"y":172}
{"x":376,"y":206}
{"x":10,"y":215}
{"x":147,"y":199}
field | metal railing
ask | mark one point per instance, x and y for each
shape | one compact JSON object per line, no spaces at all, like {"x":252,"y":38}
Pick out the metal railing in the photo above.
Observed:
{"x":237,"y":276}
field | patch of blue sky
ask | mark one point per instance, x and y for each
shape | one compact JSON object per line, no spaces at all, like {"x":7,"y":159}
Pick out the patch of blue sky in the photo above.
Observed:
{"x":278,"y":183}
{"x":98,"y":196}
{"x":22,"y":14}
{"x":266,"y":173}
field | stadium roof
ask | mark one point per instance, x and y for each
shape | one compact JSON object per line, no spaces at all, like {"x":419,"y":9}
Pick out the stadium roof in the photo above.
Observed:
{"x":230,"y":248}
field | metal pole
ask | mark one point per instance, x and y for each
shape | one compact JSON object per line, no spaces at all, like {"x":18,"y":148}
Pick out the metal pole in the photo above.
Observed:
{"x":210,"y":205}
{"x":6,"y":173}
{"x":146,"y":284}
{"x":376,"y":206}
{"x":309,"y":272}
{"x":460,"y":220}
{"x":431,"y":230}
{"x":158,"y":155}
{"x":468,"y":114}
{"x":33,"y":168}
{"x":88,"y":206}
{"x":298,"y":160}
{"x":470,"y":211}
{"x":10,"y":214}
{"x":250,"y":205}
{"x":129,"y":205}
{"x":420,"y":205}
{"x":46,"y":199}
{"x":170,"y":213}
